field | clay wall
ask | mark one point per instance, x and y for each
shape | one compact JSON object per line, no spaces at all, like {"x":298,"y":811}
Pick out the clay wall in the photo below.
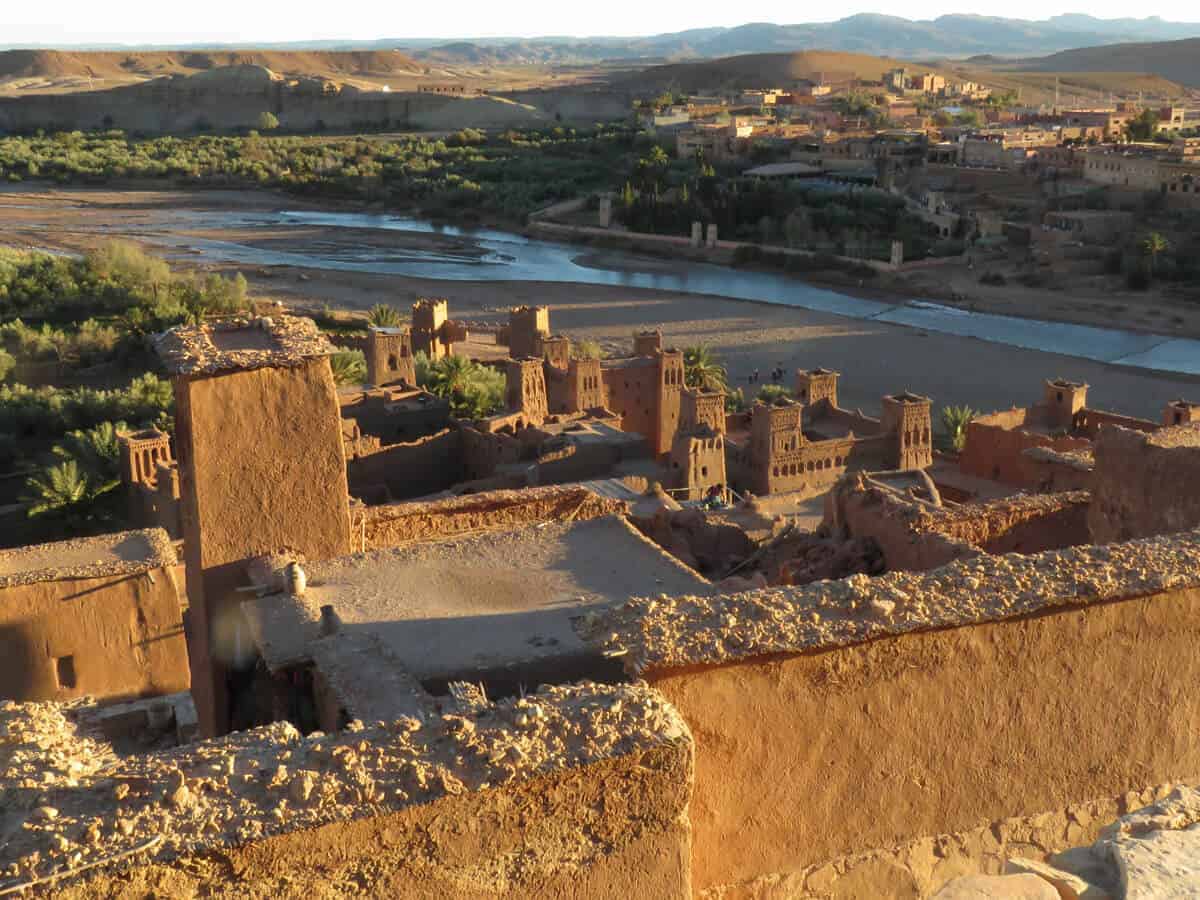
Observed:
{"x":389,"y":357}
{"x":806,"y":757}
{"x":916,"y":536}
{"x":1145,"y":484}
{"x":908,"y":419}
{"x":424,"y":466}
{"x":483,"y":451}
{"x":526,"y":326}
{"x":555,"y":350}
{"x":114,"y":637}
{"x":578,"y":792}
{"x":995,"y":443}
{"x":861,"y":425}
{"x":376,"y":416}
{"x":262,"y":468}
{"x":817,"y":388}
{"x":525,"y":389}
{"x":582,"y":388}
{"x":1089,"y":422}
{"x":1049,"y":472}
{"x":641,"y":395}
{"x":390,"y":525}
{"x":697,"y":463}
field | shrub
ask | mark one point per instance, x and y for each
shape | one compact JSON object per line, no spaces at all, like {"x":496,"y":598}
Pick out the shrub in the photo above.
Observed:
{"x":349,"y":366}
{"x":993,"y":278}
{"x":384,"y":316}
{"x":955,"y":420}
{"x":587,"y":350}
{"x":773,"y":393}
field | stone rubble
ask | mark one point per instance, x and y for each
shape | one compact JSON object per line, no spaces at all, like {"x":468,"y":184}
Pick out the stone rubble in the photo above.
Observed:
{"x":67,"y":801}
{"x":662,"y":633}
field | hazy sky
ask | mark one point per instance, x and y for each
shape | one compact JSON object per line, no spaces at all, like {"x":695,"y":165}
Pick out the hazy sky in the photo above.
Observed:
{"x":153,"y":21}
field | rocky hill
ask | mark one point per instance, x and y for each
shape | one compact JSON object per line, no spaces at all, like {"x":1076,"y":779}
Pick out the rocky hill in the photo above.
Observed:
{"x":1177,"y":61}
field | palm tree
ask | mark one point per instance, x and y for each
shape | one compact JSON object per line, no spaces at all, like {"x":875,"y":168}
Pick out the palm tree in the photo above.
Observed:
{"x":701,"y":369}
{"x":955,"y":420}
{"x":61,"y":488}
{"x":97,"y":453}
{"x":473,"y":390}
{"x":349,"y":366}
{"x":384,"y":316}
{"x":1153,"y":245}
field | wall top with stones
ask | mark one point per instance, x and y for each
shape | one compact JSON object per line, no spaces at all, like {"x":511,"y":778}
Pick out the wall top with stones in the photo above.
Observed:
{"x":241,"y":343}
{"x":119,"y":553}
{"x":67,"y":802}
{"x":672,"y":632}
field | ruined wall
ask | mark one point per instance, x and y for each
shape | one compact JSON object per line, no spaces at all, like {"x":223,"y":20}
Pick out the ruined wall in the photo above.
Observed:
{"x":424,"y":466}
{"x":1089,"y":422}
{"x":847,"y":716}
{"x":1145,"y":484}
{"x":576,"y":792}
{"x":995,"y":443}
{"x":114,"y":636}
{"x":401,"y":523}
{"x":916,"y":536}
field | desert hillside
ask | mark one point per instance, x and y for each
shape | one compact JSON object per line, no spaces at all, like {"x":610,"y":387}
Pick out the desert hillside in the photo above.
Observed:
{"x":1174,"y":60}
{"x":758,"y":69}
{"x":69,"y":69}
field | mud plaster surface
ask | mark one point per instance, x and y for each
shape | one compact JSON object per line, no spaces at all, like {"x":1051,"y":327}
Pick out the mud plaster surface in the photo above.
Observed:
{"x":241,"y":343}
{"x":67,"y":800}
{"x":120,"y":553}
{"x":661,"y":633}
{"x":493,"y":599}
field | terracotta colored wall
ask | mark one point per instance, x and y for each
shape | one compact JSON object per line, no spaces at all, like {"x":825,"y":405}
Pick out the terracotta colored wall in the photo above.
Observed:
{"x":993,"y":449}
{"x":400,"y":523}
{"x":262,"y":469}
{"x":424,"y":466}
{"x":123,"y":632}
{"x":1145,"y":484}
{"x":613,"y":829}
{"x":805,"y":757}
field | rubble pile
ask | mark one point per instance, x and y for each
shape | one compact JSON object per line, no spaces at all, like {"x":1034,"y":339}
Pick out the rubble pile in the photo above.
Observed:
{"x":711,"y":548}
{"x":668,"y":632}
{"x":69,"y":803}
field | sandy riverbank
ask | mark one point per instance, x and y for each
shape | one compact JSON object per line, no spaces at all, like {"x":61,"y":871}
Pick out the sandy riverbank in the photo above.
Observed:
{"x":874,"y":357}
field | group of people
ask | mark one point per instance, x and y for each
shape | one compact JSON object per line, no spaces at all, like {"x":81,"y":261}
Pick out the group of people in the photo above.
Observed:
{"x":777,"y":374}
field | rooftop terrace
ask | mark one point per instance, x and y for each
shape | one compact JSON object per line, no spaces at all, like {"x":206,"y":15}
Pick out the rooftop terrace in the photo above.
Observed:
{"x":241,"y":343}
{"x":120,"y":553}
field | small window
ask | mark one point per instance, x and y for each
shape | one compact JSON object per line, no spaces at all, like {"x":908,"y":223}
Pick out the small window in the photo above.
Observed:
{"x":1178,"y":417}
{"x":64,"y":671}
{"x":1060,"y":396}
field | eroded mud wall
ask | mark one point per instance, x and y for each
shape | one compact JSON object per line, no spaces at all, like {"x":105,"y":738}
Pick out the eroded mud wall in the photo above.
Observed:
{"x":802,"y":758}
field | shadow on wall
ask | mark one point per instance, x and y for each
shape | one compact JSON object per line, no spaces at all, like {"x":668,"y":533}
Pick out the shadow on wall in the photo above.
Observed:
{"x":16,"y":663}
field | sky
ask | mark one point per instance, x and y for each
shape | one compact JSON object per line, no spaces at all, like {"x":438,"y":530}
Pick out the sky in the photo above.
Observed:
{"x":65,"y":22}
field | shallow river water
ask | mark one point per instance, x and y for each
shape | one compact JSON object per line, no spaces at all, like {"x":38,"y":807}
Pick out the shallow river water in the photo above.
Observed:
{"x":512,"y":257}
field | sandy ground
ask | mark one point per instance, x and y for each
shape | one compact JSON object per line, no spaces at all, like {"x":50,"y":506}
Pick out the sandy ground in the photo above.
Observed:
{"x":875,"y":358}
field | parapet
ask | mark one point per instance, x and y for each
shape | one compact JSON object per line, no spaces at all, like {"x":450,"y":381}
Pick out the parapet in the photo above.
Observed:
{"x":275,"y":800}
{"x":668,"y":633}
{"x":120,"y":553}
{"x":240,"y":344}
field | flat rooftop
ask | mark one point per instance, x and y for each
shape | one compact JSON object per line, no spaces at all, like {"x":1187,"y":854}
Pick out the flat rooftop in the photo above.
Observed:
{"x":241,"y":343}
{"x":497,"y":602}
{"x":120,"y":553}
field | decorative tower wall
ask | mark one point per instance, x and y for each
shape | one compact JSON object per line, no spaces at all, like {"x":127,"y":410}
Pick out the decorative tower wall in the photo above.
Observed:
{"x":1063,"y":399}
{"x":429,"y":319}
{"x":909,"y":419}
{"x":585,"y":386}
{"x":526,"y":389}
{"x":555,"y":349}
{"x":815,"y":386}
{"x":774,"y":433}
{"x":390,"y":357}
{"x":141,"y":454}
{"x":670,"y":390}
{"x":647,"y":343}
{"x":702,"y":408}
{"x":526,"y":325}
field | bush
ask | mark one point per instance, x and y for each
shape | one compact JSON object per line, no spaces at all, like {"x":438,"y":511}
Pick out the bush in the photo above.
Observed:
{"x":773,"y":394}
{"x":384,"y":316}
{"x":587,"y":350}
{"x":993,"y":278}
{"x":349,"y":366}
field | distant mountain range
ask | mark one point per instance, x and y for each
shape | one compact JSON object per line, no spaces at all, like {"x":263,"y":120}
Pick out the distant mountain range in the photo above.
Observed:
{"x":950,"y":36}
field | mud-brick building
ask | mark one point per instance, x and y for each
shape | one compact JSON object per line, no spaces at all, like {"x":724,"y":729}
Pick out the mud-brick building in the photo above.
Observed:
{"x":262,"y":469}
{"x":99,"y":616}
{"x":808,"y":443}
